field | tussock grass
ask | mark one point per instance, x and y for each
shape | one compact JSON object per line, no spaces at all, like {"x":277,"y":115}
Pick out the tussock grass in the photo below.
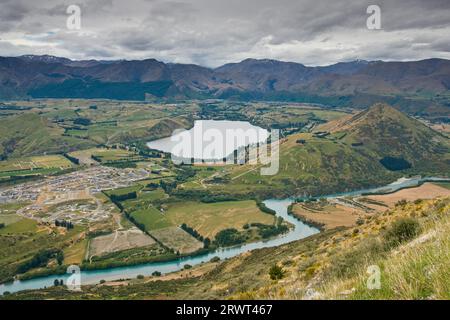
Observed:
{"x":418,"y":269}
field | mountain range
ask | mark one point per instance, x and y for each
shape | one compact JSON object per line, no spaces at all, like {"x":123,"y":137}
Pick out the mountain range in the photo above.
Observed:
{"x":418,"y":87}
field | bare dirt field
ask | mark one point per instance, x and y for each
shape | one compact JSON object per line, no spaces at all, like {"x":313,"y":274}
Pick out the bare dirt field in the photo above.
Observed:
{"x":118,"y":241}
{"x":425,"y":191}
{"x":177,"y":239}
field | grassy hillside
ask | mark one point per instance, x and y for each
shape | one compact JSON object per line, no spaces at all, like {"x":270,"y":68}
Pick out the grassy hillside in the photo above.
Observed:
{"x":30,"y":128}
{"x":383,"y":131}
{"x":30,"y":134}
{"x":347,"y":154}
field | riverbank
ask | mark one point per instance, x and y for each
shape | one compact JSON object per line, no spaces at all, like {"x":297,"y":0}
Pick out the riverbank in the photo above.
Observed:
{"x":333,"y":213}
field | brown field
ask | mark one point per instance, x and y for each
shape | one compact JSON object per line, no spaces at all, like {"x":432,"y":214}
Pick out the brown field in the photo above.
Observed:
{"x":329,"y":216}
{"x":332,"y":214}
{"x":75,"y":253}
{"x":118,"y":241}
{"x":425,"y":191}
{"x":177,"y":239}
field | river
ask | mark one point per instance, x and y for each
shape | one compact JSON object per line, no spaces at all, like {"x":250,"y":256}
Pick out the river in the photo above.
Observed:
{"x":300,"y":231}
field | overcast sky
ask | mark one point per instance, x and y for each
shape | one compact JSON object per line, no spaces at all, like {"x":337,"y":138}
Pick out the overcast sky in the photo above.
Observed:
{"x":214,"y":32}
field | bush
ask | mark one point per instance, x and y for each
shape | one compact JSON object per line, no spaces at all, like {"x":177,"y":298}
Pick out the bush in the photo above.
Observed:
{"x":187,"y":266}
{"x":215,"y":259}
{"x":276,"y":272}
{"x":156,"y":274}
{"x":401,"y":203}
{"x":140,"y":277}
{"x":401,"y":231}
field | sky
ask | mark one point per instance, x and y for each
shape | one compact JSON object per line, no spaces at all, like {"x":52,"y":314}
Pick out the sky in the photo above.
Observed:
{"x":214,"y":32}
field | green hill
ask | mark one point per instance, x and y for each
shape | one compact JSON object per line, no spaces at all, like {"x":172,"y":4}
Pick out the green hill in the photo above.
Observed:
{"x":374,"y":147}
{"x":30,"y":134}
{"x":382,"y":131}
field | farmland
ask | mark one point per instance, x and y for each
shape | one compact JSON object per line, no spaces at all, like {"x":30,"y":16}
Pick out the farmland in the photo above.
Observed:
{"x":210,"y":218}
{"x":130,"y":204}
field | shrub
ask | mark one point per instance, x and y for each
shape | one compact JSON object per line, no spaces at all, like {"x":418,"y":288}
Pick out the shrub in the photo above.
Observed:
{"x":401,"y":231}
{"x":187,"y":266}
{"x":215,"y":259}
{"x":276,"y":272}
{"x":156,"y":274}
{"x":140,"y":277}
{"x":401,"y":203}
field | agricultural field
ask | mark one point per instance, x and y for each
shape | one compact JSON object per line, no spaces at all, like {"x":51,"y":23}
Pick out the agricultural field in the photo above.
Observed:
{"x":206,"y":218}
{"x":177,"y":239}
{"x":30,"y":238}
{"x":46,"y":162}
{"x":151,"y":218}
{"x":119,"y":241}
{"x":33,"y":166}
{"x":8,"y":219}
{"x":210,"y":218}
{"x":425,"y":191}
{"x":328,"y":215}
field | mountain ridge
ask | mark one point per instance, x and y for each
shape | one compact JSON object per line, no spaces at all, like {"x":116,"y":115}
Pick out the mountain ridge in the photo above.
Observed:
{"x":414,"y":86}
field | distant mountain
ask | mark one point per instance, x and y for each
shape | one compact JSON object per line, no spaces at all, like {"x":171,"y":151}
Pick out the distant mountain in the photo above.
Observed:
{"x":419,"y":87}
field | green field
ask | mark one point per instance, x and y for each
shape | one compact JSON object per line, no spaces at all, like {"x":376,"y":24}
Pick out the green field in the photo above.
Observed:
{"x":210,"y":218}
{"x":34,"y":163}
{"x":151,"y":218}
{"x":22,"y":239}
{"x":8,"y":219}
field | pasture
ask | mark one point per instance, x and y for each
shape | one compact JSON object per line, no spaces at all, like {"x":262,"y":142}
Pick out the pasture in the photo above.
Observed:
{"x":210,"y":218}
{"x":177,"y":239}
{"x":33,"y":163}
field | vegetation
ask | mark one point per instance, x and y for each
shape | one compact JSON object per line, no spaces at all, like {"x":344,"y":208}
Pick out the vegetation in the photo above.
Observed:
{"x":401,"y":231}
{"x":395,"y":164}
{"x":229,"y":237}
{"x":276,"y":272}
{"x":40,"y":259}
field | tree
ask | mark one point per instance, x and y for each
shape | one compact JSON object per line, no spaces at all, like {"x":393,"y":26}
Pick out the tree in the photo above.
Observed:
{"x":60,"y":258}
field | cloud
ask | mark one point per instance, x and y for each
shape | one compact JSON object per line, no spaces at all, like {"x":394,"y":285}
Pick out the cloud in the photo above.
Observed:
{"x":213,"y":32}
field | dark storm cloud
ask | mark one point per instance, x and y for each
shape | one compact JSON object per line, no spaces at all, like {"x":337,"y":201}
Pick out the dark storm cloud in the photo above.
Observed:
{"x":213,"y":32}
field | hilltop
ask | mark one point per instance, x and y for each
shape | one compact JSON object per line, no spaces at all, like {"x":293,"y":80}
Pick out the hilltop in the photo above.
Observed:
{"x":386,"y":132}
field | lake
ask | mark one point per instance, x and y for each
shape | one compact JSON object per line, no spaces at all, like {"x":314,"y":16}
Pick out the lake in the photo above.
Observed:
{"x":210,"y":139}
